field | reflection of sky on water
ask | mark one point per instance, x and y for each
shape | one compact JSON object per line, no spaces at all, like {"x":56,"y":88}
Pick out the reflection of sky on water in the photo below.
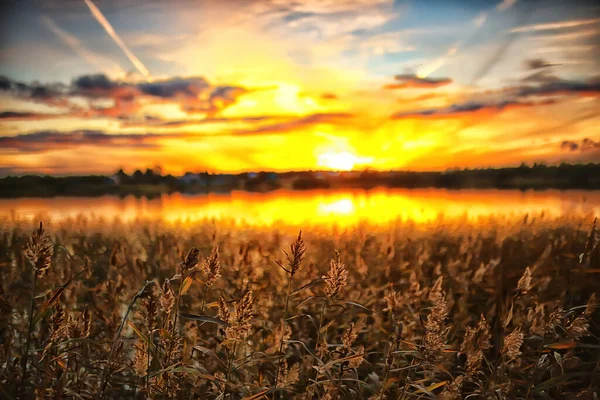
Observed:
{"x":320,"y":207}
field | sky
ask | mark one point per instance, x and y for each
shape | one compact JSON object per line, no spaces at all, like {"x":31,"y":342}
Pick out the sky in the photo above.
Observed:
{"x":91,"y":86}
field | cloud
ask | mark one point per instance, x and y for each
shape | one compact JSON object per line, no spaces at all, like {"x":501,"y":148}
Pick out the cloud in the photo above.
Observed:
{"x":413,"y":81}
{"x":480,"y":19}
{"x":154,"y":121}
{"x":562,"y":87}
{"x":555,"y":25}
{"x":49,"y":140}
{"x":542,"y":76}
{"x":168,"y":88}
{"x":465,"y":109}
{"x":586,"y":145}
{"x":24,"y":115}
{"x":537,"y":63}
{"x":568,"y":35}
{"x":332,"y":17}
{"x":329,"y":6}
{"x":192,"y":94}
{"x":51,"y":94}
{"x":505,"y":5}
{"x":380,"y":44}
{"x":294,"y":124}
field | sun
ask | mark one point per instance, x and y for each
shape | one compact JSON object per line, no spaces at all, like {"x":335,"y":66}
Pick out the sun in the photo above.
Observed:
{"x":341,"y":161}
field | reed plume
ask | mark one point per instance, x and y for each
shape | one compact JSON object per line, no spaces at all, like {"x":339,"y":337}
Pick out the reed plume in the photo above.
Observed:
{"x":512,"y":344}
{"x":336,"y":278}
{"x":212,"y":267}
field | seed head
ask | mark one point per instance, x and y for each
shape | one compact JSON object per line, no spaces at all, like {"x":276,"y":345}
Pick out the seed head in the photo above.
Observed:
{"x":212,"y":267}
{"x":349,"y":336}
{"x":191,"y":260}
{"x":167,"y":299}
{"x":536,"y":318}
{"x":336,"y":278}
{"x":151,"y":305}
{"x":476,"y":342}
{"x":436,"y":331}
{"x":524,"y":284}
{"x":436,"y":290}
{"x":223,"y":312}
{"x":296,"y":254}
{"x":578,"y":328}
{"x":358,"y":359}
{"x":244,"y":308}
{"x":393,"y":300}
{"x":80,"y":327}
{"x":86,"y":322}
{"x":513,"y":343}
{"x":555,"y":317}
{"x":140,"y":360}
{"x":281,"y":335}
{"x":241,"y":324}
{"x":39,"y":251}
{"x":59,"y":318}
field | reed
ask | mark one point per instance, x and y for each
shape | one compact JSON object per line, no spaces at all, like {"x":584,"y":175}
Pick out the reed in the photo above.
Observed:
{"x":396,"y":312}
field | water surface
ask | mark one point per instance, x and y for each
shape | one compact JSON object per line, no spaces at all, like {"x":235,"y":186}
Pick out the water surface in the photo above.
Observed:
{"x":341,"y":207}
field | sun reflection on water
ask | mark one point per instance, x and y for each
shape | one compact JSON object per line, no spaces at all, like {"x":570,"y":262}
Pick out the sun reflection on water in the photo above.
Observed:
{"x":316,"y":207}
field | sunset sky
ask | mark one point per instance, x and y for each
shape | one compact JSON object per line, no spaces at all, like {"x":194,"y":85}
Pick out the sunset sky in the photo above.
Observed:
{"x":91,"y":86}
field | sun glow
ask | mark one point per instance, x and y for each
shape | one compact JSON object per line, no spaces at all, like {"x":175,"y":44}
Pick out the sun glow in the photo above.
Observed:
{"x":341,"y":161}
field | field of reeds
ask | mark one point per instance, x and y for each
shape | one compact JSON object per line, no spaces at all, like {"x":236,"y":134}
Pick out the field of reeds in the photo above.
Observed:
{"x":495,"y":309}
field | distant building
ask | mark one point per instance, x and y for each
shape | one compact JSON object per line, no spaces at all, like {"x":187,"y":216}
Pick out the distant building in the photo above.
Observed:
{"x":193,"y":179}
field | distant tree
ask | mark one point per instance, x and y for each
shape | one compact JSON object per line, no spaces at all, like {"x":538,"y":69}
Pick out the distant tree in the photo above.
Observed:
{"x":158,"y":170}
{"x":138,"y":176}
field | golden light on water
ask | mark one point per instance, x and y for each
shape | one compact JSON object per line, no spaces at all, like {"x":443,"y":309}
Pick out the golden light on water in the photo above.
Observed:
{"x":342,"y":208}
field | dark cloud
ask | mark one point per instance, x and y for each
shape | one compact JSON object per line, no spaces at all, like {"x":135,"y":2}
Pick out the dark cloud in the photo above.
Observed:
{"x":19,"y":115}
{"x":413,"y":81}
{"x":291,"y":125}
{"x":154,"y":121}
{"x":173,"y":87}
{"x":34,"y":90}
{"x":15,"y":114}
{"x":562,"y":87}
{"x":5,"y":83}
{"x":220,"y":97}
{"x":50,"y":140}
{"x":94,"y":82}
{"x":468,"y":108}
{"x":569,"y":145}
{"x":541,"y":76}
{"x":586,"y":145}
{"x":537,"y":63}
{"x":193,"y":94}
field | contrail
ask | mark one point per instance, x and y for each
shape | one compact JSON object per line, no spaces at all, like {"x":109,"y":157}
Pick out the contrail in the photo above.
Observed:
{"x":74,"y":44}
{"x":111,"y":32}
{"x":479,"y":22}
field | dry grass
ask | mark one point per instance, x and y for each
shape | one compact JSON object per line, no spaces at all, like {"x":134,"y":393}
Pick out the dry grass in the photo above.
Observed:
{"x":499,"y":309}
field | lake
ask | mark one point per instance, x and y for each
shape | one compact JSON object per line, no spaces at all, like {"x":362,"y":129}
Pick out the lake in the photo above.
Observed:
{"x":341,"y":207}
